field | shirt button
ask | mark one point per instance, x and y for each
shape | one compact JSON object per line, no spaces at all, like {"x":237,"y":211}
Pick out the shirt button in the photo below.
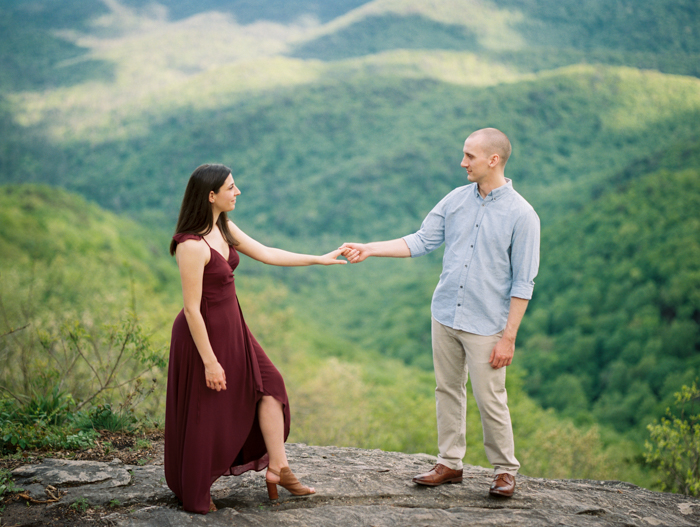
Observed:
{"x":459,"y":305}
{"x":461,"y":286}
{"x":477,"y":224}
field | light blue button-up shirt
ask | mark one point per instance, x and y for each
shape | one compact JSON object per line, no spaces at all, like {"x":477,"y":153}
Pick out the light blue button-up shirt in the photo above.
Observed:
{"x":492,"y":253}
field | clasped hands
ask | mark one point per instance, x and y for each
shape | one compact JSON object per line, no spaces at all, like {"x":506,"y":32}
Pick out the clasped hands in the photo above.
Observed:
{"x":353,"y":252}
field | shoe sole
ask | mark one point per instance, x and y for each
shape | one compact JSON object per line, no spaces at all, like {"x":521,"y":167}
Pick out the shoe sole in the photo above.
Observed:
{"x":453,"y":480}
{"x":501,"y":494}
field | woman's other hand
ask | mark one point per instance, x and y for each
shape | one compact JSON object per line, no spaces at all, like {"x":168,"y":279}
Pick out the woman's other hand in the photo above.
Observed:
{"x":331,"y":258}
{"x":216,"y":377}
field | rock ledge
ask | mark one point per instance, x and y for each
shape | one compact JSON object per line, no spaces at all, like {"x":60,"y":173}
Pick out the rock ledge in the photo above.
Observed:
{"x":360,"y":488}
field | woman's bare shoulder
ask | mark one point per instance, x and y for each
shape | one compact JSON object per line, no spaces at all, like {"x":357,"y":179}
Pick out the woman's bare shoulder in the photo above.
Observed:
{"x":192,"y":247}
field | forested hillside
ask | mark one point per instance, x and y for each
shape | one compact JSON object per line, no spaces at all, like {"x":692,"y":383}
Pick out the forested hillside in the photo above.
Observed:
{"x":344,"y":121}
{"x":614,"y":326}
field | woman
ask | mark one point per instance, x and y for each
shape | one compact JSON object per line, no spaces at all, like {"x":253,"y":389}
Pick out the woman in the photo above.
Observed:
{"x":226,"y":408}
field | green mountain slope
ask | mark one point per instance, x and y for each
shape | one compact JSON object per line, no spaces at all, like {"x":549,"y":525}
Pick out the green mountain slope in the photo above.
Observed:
{"x":615,"y":325}
{"x":33,"y":56}
{"x":76,"y":256}
{"x":666,"y":26}
{"x":532,"y":35}
{"x":376,"y":157}
{"x":381,"y":33}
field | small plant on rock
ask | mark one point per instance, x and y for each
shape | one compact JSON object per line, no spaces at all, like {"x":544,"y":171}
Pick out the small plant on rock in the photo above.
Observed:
{"x":143,"y":444}
{"x":80,"y":505}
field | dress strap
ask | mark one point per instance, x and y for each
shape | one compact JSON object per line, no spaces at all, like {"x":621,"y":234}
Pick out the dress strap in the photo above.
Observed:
{"x":205,"y":241}
{"x":182,"y":237}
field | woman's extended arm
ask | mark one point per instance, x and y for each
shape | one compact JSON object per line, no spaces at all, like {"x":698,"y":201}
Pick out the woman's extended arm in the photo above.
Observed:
{"x":272,"y":256}
{"x":192,"y":256}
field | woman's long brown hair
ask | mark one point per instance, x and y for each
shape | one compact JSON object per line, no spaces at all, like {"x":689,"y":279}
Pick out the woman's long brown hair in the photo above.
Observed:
{"x":195,"y":212}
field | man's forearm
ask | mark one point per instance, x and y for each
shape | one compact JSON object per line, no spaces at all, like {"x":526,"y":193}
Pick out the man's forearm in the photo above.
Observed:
{"x":358,"y":252}
{"x":518,"y":306}
{"x":389,"y":249}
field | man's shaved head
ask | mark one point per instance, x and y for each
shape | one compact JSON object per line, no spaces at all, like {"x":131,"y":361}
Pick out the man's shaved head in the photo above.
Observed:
{"x":494,"y":142}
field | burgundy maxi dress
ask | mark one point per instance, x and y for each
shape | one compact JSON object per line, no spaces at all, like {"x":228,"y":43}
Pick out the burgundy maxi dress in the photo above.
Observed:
{"x":209,"y":434}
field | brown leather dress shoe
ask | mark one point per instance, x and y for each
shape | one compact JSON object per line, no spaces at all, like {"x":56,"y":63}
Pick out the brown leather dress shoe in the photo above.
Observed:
{"x":503,"y":485}
{"x":438,"y":475}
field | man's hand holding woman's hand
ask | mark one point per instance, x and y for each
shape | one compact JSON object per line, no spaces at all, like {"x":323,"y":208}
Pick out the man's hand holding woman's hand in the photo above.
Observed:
{"x":355,"y":252}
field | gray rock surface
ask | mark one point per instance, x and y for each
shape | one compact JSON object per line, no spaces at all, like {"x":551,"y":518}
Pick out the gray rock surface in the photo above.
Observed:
{"x":361,"y":488}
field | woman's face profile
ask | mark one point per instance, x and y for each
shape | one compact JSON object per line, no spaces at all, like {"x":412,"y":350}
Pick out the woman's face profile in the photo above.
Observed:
{"x":225,"y":199}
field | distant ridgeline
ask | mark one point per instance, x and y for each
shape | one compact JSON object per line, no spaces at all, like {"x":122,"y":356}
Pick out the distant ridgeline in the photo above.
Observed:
{"x":350,"y":127}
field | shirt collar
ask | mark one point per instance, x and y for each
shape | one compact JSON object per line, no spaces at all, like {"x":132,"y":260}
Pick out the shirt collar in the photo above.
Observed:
{"x":496,"y":193}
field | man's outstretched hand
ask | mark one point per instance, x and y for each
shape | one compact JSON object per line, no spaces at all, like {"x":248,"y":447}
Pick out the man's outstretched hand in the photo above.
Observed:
{"x":355,"y":252}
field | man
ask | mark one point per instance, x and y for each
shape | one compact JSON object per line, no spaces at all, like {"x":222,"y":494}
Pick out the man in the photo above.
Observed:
{"x":491,"y":237}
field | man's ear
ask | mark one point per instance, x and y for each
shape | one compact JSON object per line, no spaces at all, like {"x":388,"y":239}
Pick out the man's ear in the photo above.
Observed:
{"x":493,"y":160}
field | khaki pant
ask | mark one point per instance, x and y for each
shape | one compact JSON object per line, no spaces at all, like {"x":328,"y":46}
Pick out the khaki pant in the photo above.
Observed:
{"x":455,"y":354}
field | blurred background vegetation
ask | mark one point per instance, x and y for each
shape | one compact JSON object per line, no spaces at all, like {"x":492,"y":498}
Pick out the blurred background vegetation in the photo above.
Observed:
{"x":344,"y":121}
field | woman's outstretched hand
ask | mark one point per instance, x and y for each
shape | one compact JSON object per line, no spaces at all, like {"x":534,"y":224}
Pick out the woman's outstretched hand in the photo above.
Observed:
{"x":332,"y":258}
{"x":216,"y":377}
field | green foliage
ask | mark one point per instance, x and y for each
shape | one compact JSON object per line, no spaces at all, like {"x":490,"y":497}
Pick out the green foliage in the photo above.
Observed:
{"x":103,"y":417}
{"x":51,"y":408}
{"x":143,"y":444}
{"x":613,"y":324}
{"x":85,"y":365}
{"x":7,"y":484}
{"x":15,"y":436}
{"x":80,"y":504}
{"x":65,"y":331}
{"x":674,"y":444}
{"x":653,"y":25}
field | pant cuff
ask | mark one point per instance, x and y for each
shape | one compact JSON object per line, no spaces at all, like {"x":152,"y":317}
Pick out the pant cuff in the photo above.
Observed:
{"x":498,"y":471}
{"x":451,"y":463}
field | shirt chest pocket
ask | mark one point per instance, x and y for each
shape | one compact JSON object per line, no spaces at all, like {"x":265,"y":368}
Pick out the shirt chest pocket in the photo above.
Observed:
{"x":495,"y":238}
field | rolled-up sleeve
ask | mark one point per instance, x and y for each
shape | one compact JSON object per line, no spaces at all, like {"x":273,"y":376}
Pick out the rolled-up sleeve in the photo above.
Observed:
{"x":432,"y":232}
{"x":525,"y":255}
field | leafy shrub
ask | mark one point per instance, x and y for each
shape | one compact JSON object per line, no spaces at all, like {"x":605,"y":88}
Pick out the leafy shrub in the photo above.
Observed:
{"x":16,"y":436}
{"x":674,"y":446}
{"x":103,"y":417}
{"x":7,"y":485}
{"x":51,"y":408}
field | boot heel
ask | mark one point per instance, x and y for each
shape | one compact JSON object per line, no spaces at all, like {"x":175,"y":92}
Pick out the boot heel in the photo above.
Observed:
{"x":272,"y":490}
